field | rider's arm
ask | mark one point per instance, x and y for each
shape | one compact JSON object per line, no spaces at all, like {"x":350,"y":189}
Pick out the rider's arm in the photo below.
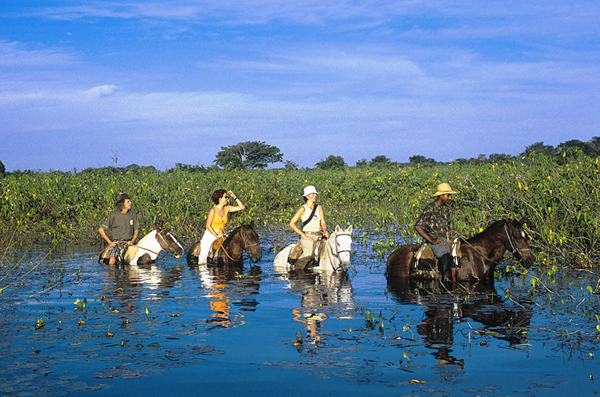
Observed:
{"x":103,"y":234}
{"x":426,"y":236}
{"x":239,"y":205}
{"x":294,"y":221}
{"x":323,"y":224}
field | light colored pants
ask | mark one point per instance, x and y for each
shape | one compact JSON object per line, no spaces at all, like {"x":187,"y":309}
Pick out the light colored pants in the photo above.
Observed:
{"x":308,"y":249}
{"x":440,"y":249}
{"x":205,"y":244}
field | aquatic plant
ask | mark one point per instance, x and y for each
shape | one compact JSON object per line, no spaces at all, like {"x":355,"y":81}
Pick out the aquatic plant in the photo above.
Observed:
{"x":558,"y":197}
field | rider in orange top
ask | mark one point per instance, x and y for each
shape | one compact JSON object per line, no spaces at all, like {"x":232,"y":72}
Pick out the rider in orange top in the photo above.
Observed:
{"x":216,"y":220}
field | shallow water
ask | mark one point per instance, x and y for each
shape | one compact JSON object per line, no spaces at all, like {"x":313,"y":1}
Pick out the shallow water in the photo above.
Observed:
{"x":178,"y":329}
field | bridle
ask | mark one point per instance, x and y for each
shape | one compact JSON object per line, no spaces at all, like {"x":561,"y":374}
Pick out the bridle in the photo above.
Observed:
{"x":246,"y":245}
{"x":333,"y":251}
{"x":510,"y":240}
{"x":165,"y":242}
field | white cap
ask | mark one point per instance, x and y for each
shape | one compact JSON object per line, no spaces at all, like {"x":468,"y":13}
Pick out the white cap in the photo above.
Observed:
{"x":309,"y":190}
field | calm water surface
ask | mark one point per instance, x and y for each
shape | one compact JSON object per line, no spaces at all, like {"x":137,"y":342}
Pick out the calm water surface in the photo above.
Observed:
{"x":173,"y":329}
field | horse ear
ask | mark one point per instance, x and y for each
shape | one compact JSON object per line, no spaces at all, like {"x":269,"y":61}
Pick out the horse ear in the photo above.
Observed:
{"x":252,"y":223}
{"x":349,"y":229}
{"x":337,"y":228}
{"x":523,"y":221}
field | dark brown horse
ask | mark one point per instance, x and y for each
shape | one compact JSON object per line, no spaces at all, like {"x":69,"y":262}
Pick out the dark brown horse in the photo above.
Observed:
{"x":479,"y":255}
{"x":231,"y":250}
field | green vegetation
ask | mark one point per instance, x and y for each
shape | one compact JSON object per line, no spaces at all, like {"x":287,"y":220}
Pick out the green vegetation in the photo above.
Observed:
{"x":559,"y":196}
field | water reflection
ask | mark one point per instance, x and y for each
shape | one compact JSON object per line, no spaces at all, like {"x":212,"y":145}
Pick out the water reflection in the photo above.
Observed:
{"x":321,"y":295}
{"x":230,"y":292}
{"x":445,"y":309}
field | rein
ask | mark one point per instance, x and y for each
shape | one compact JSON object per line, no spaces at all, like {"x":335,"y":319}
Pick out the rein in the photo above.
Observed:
{"x":463,"y":238}
{"x":246,"y":245}
{"x":138,"y":246}
{"x":157,"y":253}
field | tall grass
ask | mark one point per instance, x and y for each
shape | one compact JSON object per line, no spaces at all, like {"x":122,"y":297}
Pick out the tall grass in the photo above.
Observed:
{"x":560,"y":199}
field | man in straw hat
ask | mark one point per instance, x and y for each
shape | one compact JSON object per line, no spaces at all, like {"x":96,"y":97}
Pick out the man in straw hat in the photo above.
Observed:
{"x":124,"y":227}
{"x":434,"y":225}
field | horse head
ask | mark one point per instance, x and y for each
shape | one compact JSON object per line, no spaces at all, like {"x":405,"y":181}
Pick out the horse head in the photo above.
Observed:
{"x":250,"y":240}
{"x":168,"y":242}
{"x":340,"y":243}
{"x":518,"y":241}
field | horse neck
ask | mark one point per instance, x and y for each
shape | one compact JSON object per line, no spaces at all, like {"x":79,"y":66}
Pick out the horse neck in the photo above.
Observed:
{"x":328,"y":256}
{"x":234,"y":250}
{"x":150,"y":245}
{"x":484,"y":241}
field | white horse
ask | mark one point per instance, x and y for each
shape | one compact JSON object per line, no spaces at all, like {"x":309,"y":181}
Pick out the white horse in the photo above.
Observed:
{"x":334,"y":258}
{"x":148,"y":248}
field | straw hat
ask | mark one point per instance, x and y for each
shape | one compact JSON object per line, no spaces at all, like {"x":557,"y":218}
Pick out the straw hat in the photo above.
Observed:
{"x":309,"y":190}
{"x":444,"y":188}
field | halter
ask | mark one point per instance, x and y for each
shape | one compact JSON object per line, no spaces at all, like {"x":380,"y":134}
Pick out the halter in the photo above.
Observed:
{"x":164,"y":241}
{"x":336,"y":253}
{"x":510,"y":240}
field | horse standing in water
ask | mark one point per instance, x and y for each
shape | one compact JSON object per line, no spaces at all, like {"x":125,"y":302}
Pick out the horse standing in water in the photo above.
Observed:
{"x":334,"y":257}
{"x":479,"y":255}
{"x":148,"y":248}
{"x":231,"y":250}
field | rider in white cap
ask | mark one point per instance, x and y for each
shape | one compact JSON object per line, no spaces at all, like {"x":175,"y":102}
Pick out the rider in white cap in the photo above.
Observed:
{"x":313,"y":226}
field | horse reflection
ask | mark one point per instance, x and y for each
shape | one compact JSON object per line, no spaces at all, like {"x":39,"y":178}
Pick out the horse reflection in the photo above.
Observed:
{"x":230,"y":292}
{"x":130,"y":282}
{"x":477,"y":301}
{"x":322,"y":295}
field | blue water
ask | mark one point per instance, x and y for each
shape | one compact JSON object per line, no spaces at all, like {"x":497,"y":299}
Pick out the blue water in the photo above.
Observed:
{"x":172,"y":329}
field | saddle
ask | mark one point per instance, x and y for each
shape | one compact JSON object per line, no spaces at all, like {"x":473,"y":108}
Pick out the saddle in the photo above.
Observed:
{"x":218,"y":242}
{"x":425,"y":260}
{"x":297,"y":251}
{"x":105,"y":254}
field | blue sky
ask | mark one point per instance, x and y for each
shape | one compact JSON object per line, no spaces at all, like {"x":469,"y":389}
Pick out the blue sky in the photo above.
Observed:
{"x":87,"y":83}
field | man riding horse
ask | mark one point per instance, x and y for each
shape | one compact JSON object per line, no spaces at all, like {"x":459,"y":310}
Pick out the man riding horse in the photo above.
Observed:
{"x":434,"y":226}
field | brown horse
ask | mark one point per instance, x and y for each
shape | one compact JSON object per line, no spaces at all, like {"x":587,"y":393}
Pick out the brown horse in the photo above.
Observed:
{"x":231,"y":250}
{"x":479,"y":255}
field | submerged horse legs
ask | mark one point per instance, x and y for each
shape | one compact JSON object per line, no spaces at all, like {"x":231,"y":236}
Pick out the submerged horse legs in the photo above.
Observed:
{"x":445,"y":266}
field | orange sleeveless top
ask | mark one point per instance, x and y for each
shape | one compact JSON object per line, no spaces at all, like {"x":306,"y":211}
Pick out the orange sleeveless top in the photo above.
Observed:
{"x":218,"y":222}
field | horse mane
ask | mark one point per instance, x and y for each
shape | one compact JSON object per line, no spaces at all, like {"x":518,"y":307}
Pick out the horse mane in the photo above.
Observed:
{"x":234,"y":232}
{"x":490,"y":229}
{"x":146,"y":237}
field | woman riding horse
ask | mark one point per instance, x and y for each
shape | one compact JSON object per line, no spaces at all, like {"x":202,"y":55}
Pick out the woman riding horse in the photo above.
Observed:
{"x":313,"y":226}
{"x":216,"y":221}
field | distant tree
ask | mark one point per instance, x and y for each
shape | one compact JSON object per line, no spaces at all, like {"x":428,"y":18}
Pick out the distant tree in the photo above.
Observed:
{"x":331,"y":162}
{"x":291,"y":165}
{"x":573,"y":146}
{"x":380,"y":161}
{"x":2,"y":169}
{"x":362,"y":163}
{"x":500,"y":158}
{"x":539,"y":148}
{"x":595,"y":146}
{"x":418,"y":159}
{"x":251,"y":154}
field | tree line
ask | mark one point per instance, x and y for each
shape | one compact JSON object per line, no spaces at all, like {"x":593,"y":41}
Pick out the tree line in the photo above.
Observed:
{"x":259,"y":155}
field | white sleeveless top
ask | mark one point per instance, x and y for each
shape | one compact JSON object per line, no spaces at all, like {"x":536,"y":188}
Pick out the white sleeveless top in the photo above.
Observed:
{"x":315,"y":223}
